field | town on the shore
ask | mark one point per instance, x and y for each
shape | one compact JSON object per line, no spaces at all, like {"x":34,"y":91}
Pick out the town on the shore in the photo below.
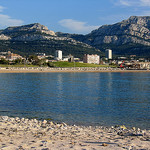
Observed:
{"x":41,"y":59}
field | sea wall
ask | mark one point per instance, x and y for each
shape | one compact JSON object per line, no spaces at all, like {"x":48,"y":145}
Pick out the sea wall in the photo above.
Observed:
{"x":67,"y":69}
{"x":60,"y":69}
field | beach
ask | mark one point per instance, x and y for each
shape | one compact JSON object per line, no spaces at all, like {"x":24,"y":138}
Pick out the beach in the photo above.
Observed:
{"x":68,"y":69}
{"x":26,"y":134}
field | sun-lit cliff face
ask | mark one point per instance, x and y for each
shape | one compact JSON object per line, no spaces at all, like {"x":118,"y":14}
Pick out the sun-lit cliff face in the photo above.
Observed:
{"x":133,"y":30}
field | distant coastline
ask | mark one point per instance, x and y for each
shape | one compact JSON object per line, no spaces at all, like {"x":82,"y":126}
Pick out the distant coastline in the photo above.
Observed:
{"x":69,"y":69}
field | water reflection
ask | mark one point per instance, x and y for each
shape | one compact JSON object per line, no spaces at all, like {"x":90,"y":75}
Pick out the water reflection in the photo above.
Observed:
{"x":59,"y":85}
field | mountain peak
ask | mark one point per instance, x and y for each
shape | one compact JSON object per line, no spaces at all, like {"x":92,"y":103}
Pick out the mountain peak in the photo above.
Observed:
{"x":34,"y":27}
{"x":139,"y":20}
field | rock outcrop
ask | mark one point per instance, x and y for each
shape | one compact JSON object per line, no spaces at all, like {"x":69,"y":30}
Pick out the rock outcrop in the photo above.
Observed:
{"x":3,"y":37}
{"x":36,"y":27}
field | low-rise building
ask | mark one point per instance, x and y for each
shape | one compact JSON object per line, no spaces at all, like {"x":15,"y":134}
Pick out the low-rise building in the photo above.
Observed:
{"x":12,"y":56}
{"x":143,"y":65}
{"x":41,"y":55}
{"x":70,"y":58}
{"x":91,"y":59}
{"x":2,"y":56}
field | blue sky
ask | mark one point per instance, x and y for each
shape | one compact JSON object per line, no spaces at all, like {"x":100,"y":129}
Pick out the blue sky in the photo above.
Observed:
{"x":70,"y":16}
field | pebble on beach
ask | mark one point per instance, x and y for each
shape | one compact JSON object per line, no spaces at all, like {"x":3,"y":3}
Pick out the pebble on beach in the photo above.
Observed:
{"x":25,"y":134}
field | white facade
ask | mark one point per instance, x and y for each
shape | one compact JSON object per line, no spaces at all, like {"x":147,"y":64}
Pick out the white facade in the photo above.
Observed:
{"x":91,"y":59}
{"x":58,"y":55}
{"x":108,"y":53}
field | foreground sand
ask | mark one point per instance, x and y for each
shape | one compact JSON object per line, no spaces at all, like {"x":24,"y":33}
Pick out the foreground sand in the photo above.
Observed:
{"x":25,"y":134}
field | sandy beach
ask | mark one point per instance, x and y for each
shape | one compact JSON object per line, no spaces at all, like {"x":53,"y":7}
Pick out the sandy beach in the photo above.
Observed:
{"x":32,"y":134}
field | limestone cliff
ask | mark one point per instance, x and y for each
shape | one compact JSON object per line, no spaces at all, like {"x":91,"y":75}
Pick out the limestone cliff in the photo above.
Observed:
{"x":133,"y":30}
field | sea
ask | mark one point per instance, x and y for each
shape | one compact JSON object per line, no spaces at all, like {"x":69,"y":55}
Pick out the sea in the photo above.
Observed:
{"x":89,"y":99}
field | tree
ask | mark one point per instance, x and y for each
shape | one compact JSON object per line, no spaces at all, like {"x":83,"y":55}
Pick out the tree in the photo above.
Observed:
{"x":4,"y":61}
{"x":36,"y":61}
{"x":33,"y":58}
{"x":50,"y":64}
{"x":18,"y":61}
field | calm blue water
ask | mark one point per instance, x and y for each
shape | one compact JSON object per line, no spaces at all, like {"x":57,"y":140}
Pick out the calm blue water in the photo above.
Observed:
{"x":78,"y":98}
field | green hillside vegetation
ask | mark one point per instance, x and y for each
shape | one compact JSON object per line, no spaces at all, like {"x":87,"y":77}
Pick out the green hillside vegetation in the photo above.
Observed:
{"x":46,"y":46}
{"x":127,"y":49}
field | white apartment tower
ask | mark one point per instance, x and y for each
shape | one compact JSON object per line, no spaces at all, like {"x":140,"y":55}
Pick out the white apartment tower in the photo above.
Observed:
{"x":58,"y":55}
{"x":108,"y":53}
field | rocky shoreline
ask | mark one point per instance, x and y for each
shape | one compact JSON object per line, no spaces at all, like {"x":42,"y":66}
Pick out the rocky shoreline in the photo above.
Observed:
{"x":32,"y":134}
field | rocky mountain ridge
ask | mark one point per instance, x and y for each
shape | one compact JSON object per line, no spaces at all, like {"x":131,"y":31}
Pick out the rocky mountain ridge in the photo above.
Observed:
{"x":27,"y":32}
{"x":133,"y":30}
{"x":35,"y":27}
{"x":33,"y":32}
{"x":37,"y":38}
{"x":131,"y":36}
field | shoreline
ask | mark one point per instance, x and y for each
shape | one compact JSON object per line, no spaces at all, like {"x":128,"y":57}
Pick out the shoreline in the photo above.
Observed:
{"x":76,"y":69}
{"x":25,"y":134}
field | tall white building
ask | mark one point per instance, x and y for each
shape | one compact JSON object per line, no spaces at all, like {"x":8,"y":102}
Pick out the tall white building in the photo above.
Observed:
{"x":108,"y":53}
{"x":91,"y":59}
{"x":58,"y":55}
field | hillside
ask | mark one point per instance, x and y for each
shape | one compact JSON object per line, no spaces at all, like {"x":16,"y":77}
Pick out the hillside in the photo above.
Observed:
{"x":131,"y":36}
{"x":34,"y":38}
{"x":128,"y":37}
